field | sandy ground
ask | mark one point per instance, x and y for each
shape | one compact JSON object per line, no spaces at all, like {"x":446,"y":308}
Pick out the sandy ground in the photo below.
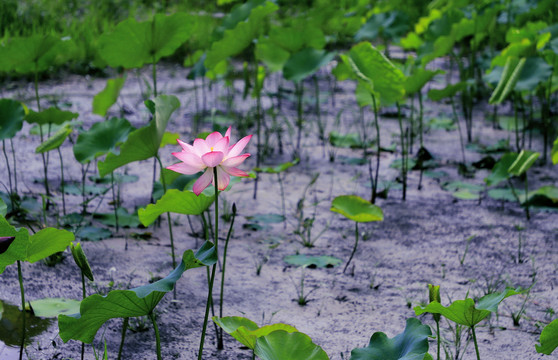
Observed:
{"x":421,"y":240}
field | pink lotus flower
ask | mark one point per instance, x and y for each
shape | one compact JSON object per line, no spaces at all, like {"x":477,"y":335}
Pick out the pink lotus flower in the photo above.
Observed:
{"x":213,"y":152}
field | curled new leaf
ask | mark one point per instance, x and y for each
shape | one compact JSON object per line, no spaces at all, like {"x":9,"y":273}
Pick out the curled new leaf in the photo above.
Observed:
{"x":81,"y":260}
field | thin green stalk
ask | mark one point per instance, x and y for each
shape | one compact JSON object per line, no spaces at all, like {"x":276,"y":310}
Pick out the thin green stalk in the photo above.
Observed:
{"x":124,"y":328}
{"x":475,"y":342}
{"x":212,"y":278}
{"x":454,"y":112}
{"x":154,"y":78}
{"x":354,"y":248}
{"x":83,"y":297}
{"x":223,"y":271}
{"x":403,"y":152}
{"x":282,"y":200}
{"x":299,"y":89}
{"x":438,"y":339}
{"x":41,"y":130}
{"x":527,"y":213}
{"x":62,"y":181}
{"x":157,"y":336}
{"x":20,"y":279}
{"x":378,"y":150}
{"x":9,"y":169}
{"x":421,"y":112}
{"x":114,"y":200}
{"x":15,"y":165}
{"x":259,"y":126}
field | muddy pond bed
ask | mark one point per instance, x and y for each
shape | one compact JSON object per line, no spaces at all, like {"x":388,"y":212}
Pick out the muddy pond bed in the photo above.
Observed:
{"x":449,"y":232}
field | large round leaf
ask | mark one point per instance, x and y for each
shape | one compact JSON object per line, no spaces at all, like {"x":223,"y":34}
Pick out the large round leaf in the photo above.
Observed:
{"x":370,"y":66}
{"x":144,"y":142}
{"x":246,"y":331}
{"x":52,"y":115}
{"x":36,"y":53}
{"x":305,"y":63}
{"x":548,"y":339}
{"x":133,"y":44}
{"x":95,"y":310}
{"x":356,"y":208}
{"x":108,"y":96}
{"x":466,"y":312}
{"x":281,"y":345}
{"x":175,"y":201}
{"x":11,"y":118}
{"x":101,"y":138}
{"x":411,"y":344}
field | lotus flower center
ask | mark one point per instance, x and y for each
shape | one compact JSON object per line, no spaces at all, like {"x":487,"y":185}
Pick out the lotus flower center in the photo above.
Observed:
{"x":211,"y":148}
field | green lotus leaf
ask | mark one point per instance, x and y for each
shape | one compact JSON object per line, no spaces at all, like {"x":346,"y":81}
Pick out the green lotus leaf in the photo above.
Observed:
{"x":415,"y":82}
{"x":37,"y":53}
{"x":554,"y":152}
{"x":95,"y":310}
{"x":238,"y":13}
{"x":236,"y":39}
{"x":505,"y":194}
{"x":32,"y":248}
{"x":300,"y":35}
{"x":108,"y":96}
{"x":125,"y":219}
{"x":12,"y":114}
{"x":92,"y":233}
{"x":246,"y":331}
{"x":51,"y":115}
{"x":356,"y":208}
{"x":411,"y":344}
{"x":102,"y":137}
{"x":322,"y":261}
{"x":508,"y":80}
{"x":466,"y":312}
{"x":81,"y":261}
{"x":52,"y":307}
{"x":18,"y":249}
{"x":548,"y":339}
{"x":133,"y":44}
{"x":277,"y":169}
{"x":55,"y":141}
{"x":510,"y":123}
{"x":545,"y":195}
{"x":144,"y":142}
{"x":388,"y":25}
{"x":370,"y":66}
{"x":500,"y":170}
{"x":282,"y":345}
{"x":448,"y":91}
{"x":305,"y":63}
{"x":523,"y":162}
{"x":535,"y":72}
{"x":176,"y":201}
{"x":273,"y":56}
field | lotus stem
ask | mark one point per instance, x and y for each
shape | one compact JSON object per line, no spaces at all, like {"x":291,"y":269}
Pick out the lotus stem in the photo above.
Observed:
{"x":83,"y":297}
{"x":282,"y":200}
{"x":475,"y":342}
{"x":168,"y":218}
{"x":223,"y":271}
{"x":124,"y":328}
{"x":114,"y":200}
{"x":527,"y":213}
{"x":20,"y":279}
{"x":404,"y":154}
{"x":259,"y":126}
{"x":456,"y":118}
{"x":212,"y":277}
{"x":15,"y":165}
{"x":157,"y":336}
{"x":9,"y":171}
{"x":438,"y":339}
{"x":378,"y":150}
{"x":354,"y":248}
{"x":62,"y":180}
